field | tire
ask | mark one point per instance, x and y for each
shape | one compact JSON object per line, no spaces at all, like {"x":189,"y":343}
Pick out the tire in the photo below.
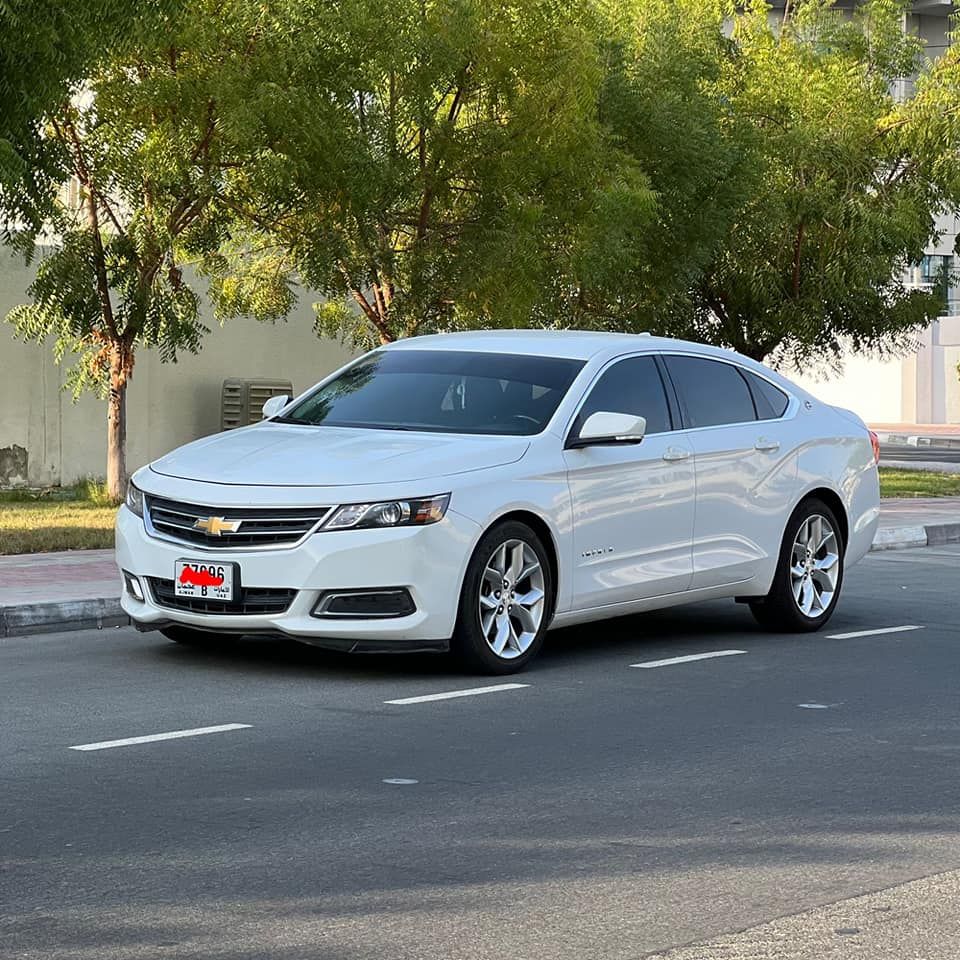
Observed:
{"x":488,"y":637}
{"x":192,"y":638}
{"x":806,"y":586}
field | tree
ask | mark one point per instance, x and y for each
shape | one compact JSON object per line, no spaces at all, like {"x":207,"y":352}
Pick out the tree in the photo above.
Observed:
{"x":46,"y":47}
{"x":147,"y":154}
{"x":845,"y":183}
{"x":662,"y":105}
{"x":443,"y":170}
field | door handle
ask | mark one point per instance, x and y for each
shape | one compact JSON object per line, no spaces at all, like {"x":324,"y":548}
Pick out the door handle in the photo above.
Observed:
{"x":676,"y":453}
{"x":767,"y":446}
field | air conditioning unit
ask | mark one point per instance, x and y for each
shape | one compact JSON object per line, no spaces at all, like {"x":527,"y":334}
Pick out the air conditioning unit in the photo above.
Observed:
{"x":241,"y":401}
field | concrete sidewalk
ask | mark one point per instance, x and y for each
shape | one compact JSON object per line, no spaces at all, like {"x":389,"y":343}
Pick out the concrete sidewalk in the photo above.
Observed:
{"x":48,"y":592}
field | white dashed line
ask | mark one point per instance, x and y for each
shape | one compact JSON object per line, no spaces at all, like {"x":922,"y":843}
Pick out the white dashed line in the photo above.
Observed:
{"x":152,"y":738}
{"x":453,"y":694}
{"x":872,"y":633}
{"x":650,"y":664}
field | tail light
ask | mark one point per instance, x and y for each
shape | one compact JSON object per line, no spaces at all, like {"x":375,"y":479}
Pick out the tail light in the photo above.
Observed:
{"x":875,"y":443}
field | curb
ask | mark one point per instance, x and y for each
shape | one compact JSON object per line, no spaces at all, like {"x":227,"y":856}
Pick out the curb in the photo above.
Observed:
{"x":945,"y":440}
{"x":929,"y":535}
{"x":30,"y":618}
{"x":35,"y":618}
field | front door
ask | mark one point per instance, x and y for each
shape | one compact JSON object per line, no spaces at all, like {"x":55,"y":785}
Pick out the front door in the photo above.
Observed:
{"x":633,"y":504}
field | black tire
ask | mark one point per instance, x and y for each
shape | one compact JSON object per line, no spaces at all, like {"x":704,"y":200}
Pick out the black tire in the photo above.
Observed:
{"x":469,"y":642}
{"x":779,"y":610}
{"x":192,"y":638}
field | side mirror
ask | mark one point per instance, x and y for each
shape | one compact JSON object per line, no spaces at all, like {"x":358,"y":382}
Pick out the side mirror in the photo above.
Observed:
{"x":274,"y":405}
{"x":605,"y":428}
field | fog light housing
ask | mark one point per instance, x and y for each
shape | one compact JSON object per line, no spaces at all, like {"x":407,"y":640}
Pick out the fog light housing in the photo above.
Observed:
{"x":380,"y":604}
{"x":133,"y":587}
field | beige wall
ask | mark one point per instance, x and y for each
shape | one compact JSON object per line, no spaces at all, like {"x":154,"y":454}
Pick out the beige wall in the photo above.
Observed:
{"x":871,"y":388}
{"x":168,"y":404}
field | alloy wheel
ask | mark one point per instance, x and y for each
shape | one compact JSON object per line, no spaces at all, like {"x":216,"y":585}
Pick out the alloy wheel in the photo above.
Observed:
{"x":815,"y":566}
{"x":512,"y":598}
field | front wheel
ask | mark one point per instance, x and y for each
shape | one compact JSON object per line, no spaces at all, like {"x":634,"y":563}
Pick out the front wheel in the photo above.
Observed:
{"x":809,"y":574}
{"x":506,"y":600}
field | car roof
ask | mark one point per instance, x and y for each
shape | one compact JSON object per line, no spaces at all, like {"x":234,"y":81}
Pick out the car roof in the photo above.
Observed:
{"x":571,"y":344}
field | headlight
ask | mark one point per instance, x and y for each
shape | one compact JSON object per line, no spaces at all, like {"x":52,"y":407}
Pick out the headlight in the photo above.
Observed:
{"x":390,"y":513}
{"x":134,"y":500}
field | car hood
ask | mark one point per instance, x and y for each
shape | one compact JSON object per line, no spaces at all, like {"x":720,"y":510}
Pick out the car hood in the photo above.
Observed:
{"x":282,"y":455}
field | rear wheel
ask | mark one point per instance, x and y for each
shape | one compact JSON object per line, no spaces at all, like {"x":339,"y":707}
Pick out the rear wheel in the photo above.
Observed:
{"x":505,"y":602}
{"x":809,"y":577}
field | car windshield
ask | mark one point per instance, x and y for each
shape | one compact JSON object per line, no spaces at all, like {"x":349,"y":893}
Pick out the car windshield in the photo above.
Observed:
{"x":443,"y":391}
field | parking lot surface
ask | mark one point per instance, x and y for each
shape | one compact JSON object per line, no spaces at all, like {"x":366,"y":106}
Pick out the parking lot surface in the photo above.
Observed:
{"x":649,"y":783}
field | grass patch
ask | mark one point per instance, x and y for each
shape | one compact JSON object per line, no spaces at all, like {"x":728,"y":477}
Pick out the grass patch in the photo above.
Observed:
{"x":78,"y":517}
{"x":918,"y":483}
{"x":41,"y":527}
{"x":89,"y":490}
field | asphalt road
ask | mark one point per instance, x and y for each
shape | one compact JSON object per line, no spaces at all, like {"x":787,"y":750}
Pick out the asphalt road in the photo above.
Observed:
{"x":600,"y":811}
{"x":926,"y":454}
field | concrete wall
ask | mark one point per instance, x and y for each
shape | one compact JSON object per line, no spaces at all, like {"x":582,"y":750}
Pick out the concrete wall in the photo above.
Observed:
{"x":871,"y":388}
{"x":46,"y":439}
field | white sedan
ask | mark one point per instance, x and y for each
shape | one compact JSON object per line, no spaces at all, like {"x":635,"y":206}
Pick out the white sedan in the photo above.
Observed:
{"x":468,"y":491}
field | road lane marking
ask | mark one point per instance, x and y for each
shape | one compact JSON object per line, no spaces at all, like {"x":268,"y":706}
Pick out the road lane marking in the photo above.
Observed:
{"x":154,"y":737}
{"x":872,"y":633}
{"x":650,"y":664}
{"x":400,"y":781}
{"x":453,"y":694}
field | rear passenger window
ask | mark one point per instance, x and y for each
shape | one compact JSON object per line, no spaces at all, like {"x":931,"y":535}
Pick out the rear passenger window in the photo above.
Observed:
{"x":630,"y":386}
{"x":771,"y":401}
{"x":712,"y":392}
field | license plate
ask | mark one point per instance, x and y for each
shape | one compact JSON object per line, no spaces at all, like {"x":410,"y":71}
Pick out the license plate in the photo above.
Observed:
{"x":201,"y":580}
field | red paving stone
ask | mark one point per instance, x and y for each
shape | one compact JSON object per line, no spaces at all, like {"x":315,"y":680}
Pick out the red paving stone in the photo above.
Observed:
{"x":45,"y":577}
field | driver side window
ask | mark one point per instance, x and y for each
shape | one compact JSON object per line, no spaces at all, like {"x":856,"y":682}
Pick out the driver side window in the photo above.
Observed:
{"x":632,"y":386}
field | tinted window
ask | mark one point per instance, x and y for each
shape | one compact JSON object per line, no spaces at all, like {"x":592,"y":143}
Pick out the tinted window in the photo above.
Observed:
{"x":630,"y":386}
{"x":771,"y":401}
{"x":441,"y":390}
{"x":712,"y":392}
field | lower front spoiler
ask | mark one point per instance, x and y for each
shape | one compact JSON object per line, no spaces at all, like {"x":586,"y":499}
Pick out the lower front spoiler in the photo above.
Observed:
{"x":324,"y":643}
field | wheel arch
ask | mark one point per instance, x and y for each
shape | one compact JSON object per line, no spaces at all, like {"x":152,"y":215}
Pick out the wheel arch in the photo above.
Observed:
{"x":834,"y":501}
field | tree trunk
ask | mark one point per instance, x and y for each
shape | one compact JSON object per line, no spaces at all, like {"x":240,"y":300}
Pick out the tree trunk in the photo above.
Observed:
{"x":117,"y":426}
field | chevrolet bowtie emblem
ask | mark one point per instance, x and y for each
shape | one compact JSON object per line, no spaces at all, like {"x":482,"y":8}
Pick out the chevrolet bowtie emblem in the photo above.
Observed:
{"x":216,"y":526}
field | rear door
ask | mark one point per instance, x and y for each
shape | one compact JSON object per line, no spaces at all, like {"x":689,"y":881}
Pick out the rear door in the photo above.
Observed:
{"x":746,"y":471}
{"x":632,"y":504}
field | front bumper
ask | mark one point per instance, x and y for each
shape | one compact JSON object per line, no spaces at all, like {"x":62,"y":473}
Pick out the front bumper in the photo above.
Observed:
{"x":428,"y":561}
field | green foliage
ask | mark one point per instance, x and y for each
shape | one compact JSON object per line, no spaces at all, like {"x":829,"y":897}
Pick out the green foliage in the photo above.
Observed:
{"x":150,"y":161}
{"x":845,"y":185}
{"x":45,"y":48}
{"x":664,"y":105}
{"x":432,"y":164}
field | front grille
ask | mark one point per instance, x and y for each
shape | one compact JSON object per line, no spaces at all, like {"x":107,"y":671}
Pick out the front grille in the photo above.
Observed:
{"x":252,"y":600}
{"x":259,"y":526}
